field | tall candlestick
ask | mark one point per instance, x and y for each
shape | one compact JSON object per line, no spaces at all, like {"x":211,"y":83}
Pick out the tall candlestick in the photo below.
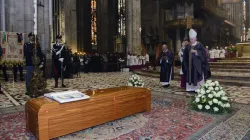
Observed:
{"x":35,"y":17}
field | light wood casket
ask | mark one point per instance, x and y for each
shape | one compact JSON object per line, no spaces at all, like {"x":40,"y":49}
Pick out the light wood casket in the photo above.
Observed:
{"x":47,"y":119}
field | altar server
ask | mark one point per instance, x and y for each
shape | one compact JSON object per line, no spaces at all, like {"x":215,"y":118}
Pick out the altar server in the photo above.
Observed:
{"x":222,"y":53}
{"x":143,"y":60}
{"x":58,"y":52}
{"x":165,"y":59}
{"x":129,"y":59}
{"x":147,"y":60}
{"x":136,"y":60}
{"x":195,"y":63}
{"x":133,"y":60}
{"x":211,"y":54}
{"x":217,"y":53}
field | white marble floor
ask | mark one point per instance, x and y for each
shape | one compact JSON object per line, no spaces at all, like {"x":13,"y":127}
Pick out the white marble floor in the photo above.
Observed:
{"x":14,"y":92}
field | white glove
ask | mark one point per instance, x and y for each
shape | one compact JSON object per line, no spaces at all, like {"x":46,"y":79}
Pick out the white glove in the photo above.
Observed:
{"x":61,"y":59}
{"x":57,"y":52}
{"x":81,"y":60}
{"x":41,"y":65}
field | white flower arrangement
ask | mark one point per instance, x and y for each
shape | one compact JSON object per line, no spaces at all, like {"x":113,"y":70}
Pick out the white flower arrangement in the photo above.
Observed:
{"x":135,"y":81}
{"x":211,"y":98}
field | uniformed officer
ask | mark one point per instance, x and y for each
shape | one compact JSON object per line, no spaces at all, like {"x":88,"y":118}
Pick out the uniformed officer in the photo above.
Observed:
{"x":58,"y":53}
{"x":1,"y":53}
{"x":28,"y":54}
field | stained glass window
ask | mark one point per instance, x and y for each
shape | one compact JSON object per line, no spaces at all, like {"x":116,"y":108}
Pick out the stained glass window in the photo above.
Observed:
{"x":93,"y":23}
{"x":121,"y":18}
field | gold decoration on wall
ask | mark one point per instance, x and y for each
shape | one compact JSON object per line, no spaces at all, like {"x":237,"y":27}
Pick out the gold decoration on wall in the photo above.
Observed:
{"x":189,"y":22}
{"x":217,"y":10}
{"x":183,"y":23}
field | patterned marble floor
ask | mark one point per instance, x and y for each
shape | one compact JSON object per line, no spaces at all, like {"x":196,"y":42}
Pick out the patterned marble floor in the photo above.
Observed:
{"x":14,"y":92}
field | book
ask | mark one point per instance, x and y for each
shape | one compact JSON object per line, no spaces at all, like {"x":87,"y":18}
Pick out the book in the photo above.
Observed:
{"x":67,"y":96}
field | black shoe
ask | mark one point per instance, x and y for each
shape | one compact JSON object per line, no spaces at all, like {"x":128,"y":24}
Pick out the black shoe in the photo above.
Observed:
{"x":26,"y":93}
{"x":166,"y":86}
{"x":56,"y":84}
{"x":22,"y":79}
{"x":63,"y":86}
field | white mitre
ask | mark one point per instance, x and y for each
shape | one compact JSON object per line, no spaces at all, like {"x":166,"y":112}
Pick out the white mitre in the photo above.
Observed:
{"x":192,"y":33}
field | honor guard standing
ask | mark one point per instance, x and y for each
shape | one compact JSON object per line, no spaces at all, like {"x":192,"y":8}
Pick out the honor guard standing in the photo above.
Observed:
{"x":58,"y":52}
{"x":1,"y":53}
{"x":28,"y":54}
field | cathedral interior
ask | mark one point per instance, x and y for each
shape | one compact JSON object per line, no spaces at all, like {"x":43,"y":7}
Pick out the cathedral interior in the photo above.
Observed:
{"x":124,"y":69}
{"x":101,"y":25}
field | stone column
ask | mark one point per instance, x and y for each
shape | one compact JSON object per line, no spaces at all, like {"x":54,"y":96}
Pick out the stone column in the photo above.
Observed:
{"x":106,"y":24}
{"x":70,"y":24}
{"x":3,"y":15}
{"x":83,"y":25}
{"x":62,"y":20}
{"x":50,"y":24}
{"x":133,"y":26}
{"x":178,"y":40}
{"x":43,"y":30}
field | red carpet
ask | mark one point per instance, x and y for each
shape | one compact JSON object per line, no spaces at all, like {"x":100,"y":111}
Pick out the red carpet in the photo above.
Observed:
{"x":168,"y":119}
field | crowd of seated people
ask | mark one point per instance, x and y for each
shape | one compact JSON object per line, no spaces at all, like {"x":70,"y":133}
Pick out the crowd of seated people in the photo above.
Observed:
{"x":98,"y":62}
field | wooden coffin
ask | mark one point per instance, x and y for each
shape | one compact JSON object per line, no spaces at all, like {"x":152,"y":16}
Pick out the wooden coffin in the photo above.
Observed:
{"x":47,"y":119}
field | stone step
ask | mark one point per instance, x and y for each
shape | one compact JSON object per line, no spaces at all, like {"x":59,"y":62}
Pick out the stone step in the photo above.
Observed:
{"x":215,"y":75}
{"x":229,"y":63}
{"x":230,"y":66}
{"x":239,"y":58}
{"x":222,"y":79}
{"x":233,"y":60}
{"x":230,"y":70}
{"x":177,"y":68}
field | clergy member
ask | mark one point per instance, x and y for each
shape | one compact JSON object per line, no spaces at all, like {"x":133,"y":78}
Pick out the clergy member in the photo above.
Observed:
{"x":166,"y":58}
{"x":195,"y":62}
{"x":183,"y":81}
